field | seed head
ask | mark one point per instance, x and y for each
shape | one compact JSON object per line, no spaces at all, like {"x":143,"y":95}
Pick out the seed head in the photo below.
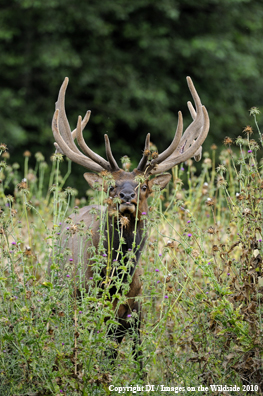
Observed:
{"x":248,"y":130}
{"x":210,"y":202}
{"x":228,"y":141}
{"x":211,"y":230}
{"x":124,"y":221}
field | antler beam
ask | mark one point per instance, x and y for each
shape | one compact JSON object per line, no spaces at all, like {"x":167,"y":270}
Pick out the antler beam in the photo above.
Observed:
{"x":65,"y":139}
{"x":183,"y":146}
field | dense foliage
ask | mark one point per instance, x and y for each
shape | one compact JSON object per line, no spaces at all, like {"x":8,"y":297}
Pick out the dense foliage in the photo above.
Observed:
{"x":202,"y":284}
{"x":127,"y":61}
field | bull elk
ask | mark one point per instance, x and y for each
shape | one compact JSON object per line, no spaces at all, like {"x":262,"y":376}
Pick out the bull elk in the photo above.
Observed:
{"x":131,"y":190}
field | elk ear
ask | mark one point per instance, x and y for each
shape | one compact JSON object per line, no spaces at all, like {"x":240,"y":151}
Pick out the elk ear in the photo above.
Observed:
{"x":92,"y":178}
{"x":161,"y":181}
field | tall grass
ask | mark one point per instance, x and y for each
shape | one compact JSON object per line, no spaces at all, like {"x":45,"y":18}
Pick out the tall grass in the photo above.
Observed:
{"x":202,"y":283}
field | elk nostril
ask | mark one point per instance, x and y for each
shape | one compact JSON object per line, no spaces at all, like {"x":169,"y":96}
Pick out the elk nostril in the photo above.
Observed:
{"x":132,"y":195}
{"x":121,"y":195}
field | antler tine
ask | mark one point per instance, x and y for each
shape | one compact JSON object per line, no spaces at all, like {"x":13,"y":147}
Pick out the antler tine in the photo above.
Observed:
{"x":113,"y":163}
{"x":64,"y":126}
{"x":75,"y":157}
{"x":143,"y":162}
{"x":192,"y":139}
{"x":198,"y":154}
{"x":191,"y":109}
{"x":73,"y":133}
{"x":178,"y":134}
{"x":83,"y":124}
{"x":95,"y":157}
{"x":192,"y":150}
{"x":192,"y":131}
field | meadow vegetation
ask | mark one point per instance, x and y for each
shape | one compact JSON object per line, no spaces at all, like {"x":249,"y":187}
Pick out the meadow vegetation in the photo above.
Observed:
{"x":202,"y":281}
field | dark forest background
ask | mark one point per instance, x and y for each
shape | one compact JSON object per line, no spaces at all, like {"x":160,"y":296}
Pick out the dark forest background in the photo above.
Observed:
{"x":127,"y":62}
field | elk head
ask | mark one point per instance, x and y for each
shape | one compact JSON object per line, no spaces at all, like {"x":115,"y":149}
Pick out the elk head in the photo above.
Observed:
{"x":183,"y":147}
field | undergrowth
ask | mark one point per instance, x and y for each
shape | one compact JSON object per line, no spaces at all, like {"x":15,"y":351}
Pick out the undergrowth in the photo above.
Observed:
{"x":202,"y":283}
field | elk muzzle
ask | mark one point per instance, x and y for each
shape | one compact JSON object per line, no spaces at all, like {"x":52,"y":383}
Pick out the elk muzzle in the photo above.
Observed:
{"x":128,"y":201}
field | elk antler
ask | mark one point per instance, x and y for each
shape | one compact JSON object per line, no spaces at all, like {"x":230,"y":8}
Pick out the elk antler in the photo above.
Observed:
{"x":65,"y":139}
{"x":183,"y":146}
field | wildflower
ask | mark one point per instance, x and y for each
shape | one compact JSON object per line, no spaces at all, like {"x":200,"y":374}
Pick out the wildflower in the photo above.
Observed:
{"x":39,"y":157}
{"x":27,"y":154}
{"x":206,"y":292}
{"x":165,"y":296}
{"x":144,"y":213}
{"x":124,"y":221}
{"x":254,"y":111}
{"x":57,"y":157}
{"x":209,"y":202}
{"x":182,"y":169}
{"x":80,"y":312}
{"x":157,"y":270}
{"x":189,"y":162}
{"x":160,"y":254}
{"x":126,"y":163}
{"x":228,"y":274}
{"x":209,"y":263}
{"x":221,"y":181}
{"x":221,"y":168}
{"x":67,"y":276}
{"x":71,"y":259}
{"x":246,"y":211}
{"x":211,"y":230}
{"x":213,"y":147}
{"x":73,"y":228}
{"x":248,"y":130}
{"x":189,"y":235}
{"x":158,"y":281}
{"x":129,"y":316}
{"x":227,"y":141}
{"x":260,"y":240}
{"x":3,"y":147}
{"x":104,"y":255}
{"x":63,"y":343}
{"x":22,"y":185}
{"x":13,"y":243}
{"x":249,"y":151}
{"x":189,"y":221}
